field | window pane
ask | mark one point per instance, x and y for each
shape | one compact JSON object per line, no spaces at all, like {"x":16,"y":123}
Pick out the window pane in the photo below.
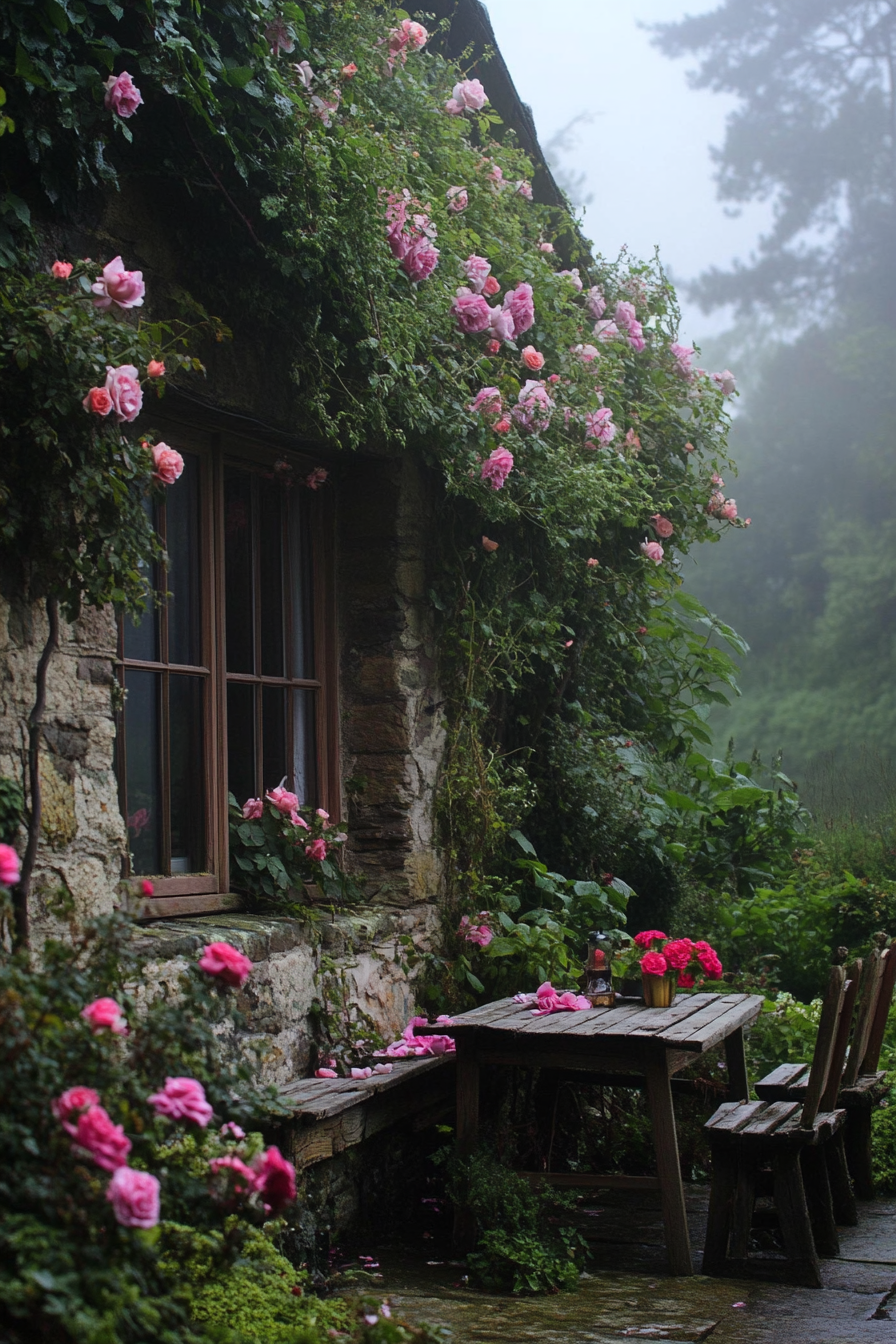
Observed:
{"x":141,"y":633}
{"x":239,"y":587}
{"x":241,"y":780}
{"x":182,"y":527}
{"x":300,"y":575}
{"x":142,"y":774}
{"x":273,"y":718}
{"x":187,"y":774}
{"x":304,"y":757}
{"x":270,"y":559}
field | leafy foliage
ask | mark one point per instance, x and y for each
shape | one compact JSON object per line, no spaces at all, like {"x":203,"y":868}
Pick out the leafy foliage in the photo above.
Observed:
{"x":270,"y":861}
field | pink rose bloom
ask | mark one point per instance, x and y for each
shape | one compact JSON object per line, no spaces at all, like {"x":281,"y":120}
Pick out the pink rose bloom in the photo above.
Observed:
{"x":678,"y":953}
{"x":315,"y":479}
{"x":225,"y":962}
{"x":240,"y":1178}
{"x":317,"y":850}
{"x":592,"y":563}
{"x":105,"y":1015}
{"x":326,"y":1073}
{"x":532,"y":358}
{"x":716,"y":479}
{"x":606,"y":331}
{"x":167,"y":462}
{"x":458,"y":199}
{"x":716,"y":503}
{"x":232,"y":1130}
{"x":728,"y":510}
{"x":534,"y":407}
{"x":636,"y":337}
{"x":155,"y":369}
{"x":146,"y":887}
{"x":323,"y":107}
{"x":283,"y":800}
{"x":61,"y":269}
{"x":661,"y":526}
{"x":500,"y":323}
{"x":182,"y":1099}
{"x":135,"y":1197}
{"x":492,"y":347}
{"x":487,"y":402}
{"x":524,"y":189}
{"x":10,"y":871}
{"x":279,"y":37}
{"x":654,"y":963}
{"x":709,"y":960}
{"x":123,"y":386}
{"x":106,"y":1143}
{"x":518,"y":302}
{"x":501,"y":426}
{"x":408,"y":36}
{"x":491,"y":287}
{"x":648,"y":936}
{"x":350,"y":70}
{"x":653,"y":550}
{"x":599,"y":427}
{"x":596,"y":303}
{"x":275,"y":1178}
{"x":476,"y":270}
{"x":98,"y":401}
{"x":298,"y":820}
{"x":726,"y":380}
{"x":497,"y":467}
{"x":122,"y":95}
{"x":586,"y":353}
{"x":683,"y":355}
{"x":471,"y":312}
{"x":481,"y":935}
{"x":624,"y":315}
{"x":253,"y":809}
{"x":72,"y":1102}
{"x":467,"y":96}
{"x":685,"y":980}
{"x":573,"y":277}
{"x":545,"y":247}
{"x":420,"y":260}
{"x":116,"y":285}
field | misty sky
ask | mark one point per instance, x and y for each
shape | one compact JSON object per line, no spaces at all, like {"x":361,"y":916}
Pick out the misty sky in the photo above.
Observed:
{"x":646,"y":153}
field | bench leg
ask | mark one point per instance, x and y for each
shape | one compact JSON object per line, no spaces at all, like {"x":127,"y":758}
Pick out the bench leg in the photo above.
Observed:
{"x":744,"y":1202}
{"x":467,"y":1137}
{"x":796,"y":1230}
{"x":818,"y":1200}
{"x":675,"y":1221}
{"x":844,"y":1200}
{"x":857,"y":1138}
{"x":721,"y":1200}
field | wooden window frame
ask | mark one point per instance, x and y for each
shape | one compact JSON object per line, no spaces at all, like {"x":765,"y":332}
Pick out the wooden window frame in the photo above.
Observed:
{"x":198,"y":893}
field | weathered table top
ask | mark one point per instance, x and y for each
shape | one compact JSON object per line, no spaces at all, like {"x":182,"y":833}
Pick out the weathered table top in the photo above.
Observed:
{"x":694,"y":1023}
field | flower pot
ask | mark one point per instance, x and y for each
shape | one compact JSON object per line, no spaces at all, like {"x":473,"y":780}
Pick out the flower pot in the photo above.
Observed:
{"x":659,"y":990}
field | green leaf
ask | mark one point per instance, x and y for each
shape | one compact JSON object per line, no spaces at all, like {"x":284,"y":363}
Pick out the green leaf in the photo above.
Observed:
{"x":524,"y":844}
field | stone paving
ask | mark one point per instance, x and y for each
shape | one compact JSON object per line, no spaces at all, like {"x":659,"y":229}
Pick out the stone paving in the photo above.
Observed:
{"x":627,"y":1293}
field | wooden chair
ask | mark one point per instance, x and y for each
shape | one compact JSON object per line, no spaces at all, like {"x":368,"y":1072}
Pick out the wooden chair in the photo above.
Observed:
{"x":763,"y":1147}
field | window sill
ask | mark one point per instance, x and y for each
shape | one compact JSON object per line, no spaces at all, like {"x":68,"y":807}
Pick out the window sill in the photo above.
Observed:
{"x":166,"y":907}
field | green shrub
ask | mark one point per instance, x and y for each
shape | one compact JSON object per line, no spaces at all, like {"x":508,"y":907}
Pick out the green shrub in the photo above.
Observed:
{"x":883,"y":1142}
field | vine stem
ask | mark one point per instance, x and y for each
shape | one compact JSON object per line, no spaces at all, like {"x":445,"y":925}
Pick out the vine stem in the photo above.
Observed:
{"x":35,"y":728}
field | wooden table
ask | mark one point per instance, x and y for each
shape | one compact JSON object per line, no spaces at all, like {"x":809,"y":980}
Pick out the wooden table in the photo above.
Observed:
{"x":629,"y":1038}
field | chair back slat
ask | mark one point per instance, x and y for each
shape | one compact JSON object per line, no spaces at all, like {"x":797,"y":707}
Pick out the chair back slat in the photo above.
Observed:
{"x":879,"y":1024}
{"x":841,"y":1040}
{"x":824,"y":1045}
{"x":869,"y":992}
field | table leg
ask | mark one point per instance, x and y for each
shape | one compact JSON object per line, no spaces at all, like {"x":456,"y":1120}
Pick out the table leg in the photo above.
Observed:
{"x":675,"y":1222}
{"x":467,"y":1136}
{"x":736,"y":1061}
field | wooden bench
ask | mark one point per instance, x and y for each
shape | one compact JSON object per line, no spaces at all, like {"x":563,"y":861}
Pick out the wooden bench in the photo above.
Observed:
{"x":776,"y":1148}
{"x":332,"y":1114}
{"x":859,"y":1086}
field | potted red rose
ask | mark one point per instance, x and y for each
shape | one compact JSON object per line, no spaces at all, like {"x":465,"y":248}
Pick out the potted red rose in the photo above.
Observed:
{"x":668,"y":964}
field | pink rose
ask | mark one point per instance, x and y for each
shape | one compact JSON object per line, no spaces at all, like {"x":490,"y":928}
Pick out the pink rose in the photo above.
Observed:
{"x":586,"y":353}
{"x":726,"y":380}
{"x":709,"y":960}
{"x":315,"y":479}
{"x":481,"y":936}
{"x":683,"y":355}
{"x":685,"y":980}
{"x":10,"y":871}
{"x":182,"y":1099}
{"x":648,"y":936}
{"x":491,"y":287}
{"x":661,"y":526}
{"x":467,"y":96}
{"x":123,"y":386}
{"x":716,"y":503}
{"x":492,"y":347}
{"x":458,"y":199}
{"x":420,"y":260}
{"x":624,"y":315}
{"x":653,"y":550}
{"x":678,"y":952}
{"x":408,"y":36}
{"x":275,"y":1178}
{"x":349,"y":70}
{"x":232,"y":1130}
{"x":235,"y":1178}
{"x":497,"y":467}
{"x":61,"y":269}
{"x":501,"y":426}
{"x":476,"y":270}
{"x":167,"y":462}
{"x":636,"y":337}
{"x":122,"y":95}
{"x":135,"y":1197}
{"x":146,"y":887}
{"x":532,"y":358}
{"x":524,"y":189}
{"x":654,"y":963}
{"x":323,"y":107}
{"x":106,"y":1143}
{"x":599,"y":427}
{"x":545,"y":247}
{"x":728,"y":510}
{"x":500,"y":323}
{"x":283,"y":800}
{"x":98,"y":401}
{"x":317,"y":850}
{"x":72,"y":1102}
{"x":518,"y":302}
{"x":573,"y":277}
{"x":592,"y":563}
{"x":534,"y":406}
{"x":487,"y":402}
{"x":105,"y":1015}
{"x":116,"y":285}
{"x":279,"y":37}
{"x":253,"y":809}
{"x":471,"y":312}
{"x":155,"y":369}
{"x":606,"y":330}
{"x":596,"y":303}
{"x":225,"y":962}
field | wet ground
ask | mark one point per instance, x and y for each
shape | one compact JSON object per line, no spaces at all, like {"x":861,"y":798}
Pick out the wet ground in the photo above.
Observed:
{"x":627,"y":1292}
